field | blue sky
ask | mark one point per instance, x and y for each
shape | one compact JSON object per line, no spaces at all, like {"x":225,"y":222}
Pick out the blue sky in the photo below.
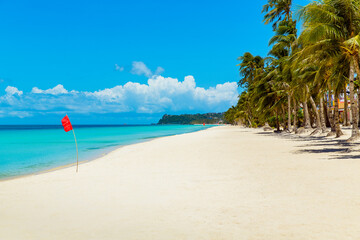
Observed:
{"x":93,"y":59}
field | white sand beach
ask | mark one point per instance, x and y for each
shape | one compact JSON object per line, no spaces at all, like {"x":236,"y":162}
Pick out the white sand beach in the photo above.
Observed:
{"x":221,"y":183}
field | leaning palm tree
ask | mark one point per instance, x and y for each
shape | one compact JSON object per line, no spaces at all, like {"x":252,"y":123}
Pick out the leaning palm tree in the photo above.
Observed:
{"x":306,"y":75}
{"x":282,"y":46}
{"x":245,"y":111}
{"x":313,"y":70}
{"x":249,"y":68}
{"x":277,"y":11}
{"x":269,"y":96}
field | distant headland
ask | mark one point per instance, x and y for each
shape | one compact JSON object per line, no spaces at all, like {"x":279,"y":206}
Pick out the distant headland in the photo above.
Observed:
{"x":207,"y":118}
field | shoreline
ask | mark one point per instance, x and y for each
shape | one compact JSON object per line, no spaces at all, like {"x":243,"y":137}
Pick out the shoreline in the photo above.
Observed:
{"x":95,"y":158}
{"x":224,"y":183}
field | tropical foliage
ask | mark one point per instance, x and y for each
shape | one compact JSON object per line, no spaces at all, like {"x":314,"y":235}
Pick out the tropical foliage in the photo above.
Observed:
{"x":207,"y":118}
{"x":297,"y":87}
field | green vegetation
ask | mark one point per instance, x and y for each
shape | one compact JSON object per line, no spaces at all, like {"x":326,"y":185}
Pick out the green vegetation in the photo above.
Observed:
{"x":300,"y":82}
{"x":207,"y":118}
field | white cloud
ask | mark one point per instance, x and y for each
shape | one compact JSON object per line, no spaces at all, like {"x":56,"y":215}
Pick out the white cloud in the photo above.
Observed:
{"x":159,"y":70}
{"x":59,"y":89}
{"x":20,"y":114}
{"x":119,"y":68}
{"x":11,"y":97}
{"x":159,"y":95}
{"x":10,"y":91}
{"x":139,"y":68}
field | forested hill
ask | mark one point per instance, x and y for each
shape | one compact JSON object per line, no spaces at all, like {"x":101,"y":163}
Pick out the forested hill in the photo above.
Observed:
{"x":207,"y":118}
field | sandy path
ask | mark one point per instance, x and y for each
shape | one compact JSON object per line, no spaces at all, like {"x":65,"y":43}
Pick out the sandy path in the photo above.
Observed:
{"x":222,"y":183}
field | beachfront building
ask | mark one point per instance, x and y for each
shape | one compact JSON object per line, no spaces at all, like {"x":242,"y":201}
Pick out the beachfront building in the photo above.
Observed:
{"x":341,"y":103}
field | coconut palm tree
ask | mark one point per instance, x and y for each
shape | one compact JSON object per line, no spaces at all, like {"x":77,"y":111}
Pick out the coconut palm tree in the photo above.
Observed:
{"x":277,"y":11}
{"x":249,"y":67}
{"x":282,"y":45}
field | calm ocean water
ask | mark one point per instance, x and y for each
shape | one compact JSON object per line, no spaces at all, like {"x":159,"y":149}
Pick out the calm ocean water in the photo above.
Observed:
{"x":29,"y":149}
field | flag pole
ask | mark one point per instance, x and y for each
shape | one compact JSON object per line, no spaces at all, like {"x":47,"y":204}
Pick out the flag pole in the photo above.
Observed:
{"x":77,"y":153}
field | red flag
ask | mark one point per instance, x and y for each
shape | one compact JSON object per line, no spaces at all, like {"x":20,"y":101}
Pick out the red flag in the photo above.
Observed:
{"x":66,"y":124}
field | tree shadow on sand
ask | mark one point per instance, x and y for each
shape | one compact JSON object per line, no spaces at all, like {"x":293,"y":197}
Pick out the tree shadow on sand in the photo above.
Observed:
{"x":323,"y":150}
{"x":346,"y":157}
{"x":266,"y":133}
{"x":319,"y":145}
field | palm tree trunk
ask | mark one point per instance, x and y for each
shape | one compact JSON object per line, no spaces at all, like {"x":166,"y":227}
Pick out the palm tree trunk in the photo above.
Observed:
{"x":336,"y":117}
{"x":331,"y":117}
{"x":355,"y":129}
{"x":317,"y":116}
{"x":277,"y":121}
{"x":295,"y":116}
{"x":322,"y":115}
{"x":357,"y":69}
{"x":307,"y":124}
{"x":289,"y":112}
{"x":358,"y":103}
{"x":249,"y":116}
{"x":346,"y":105}
{"x":283,"y":113}
{"x":326,"y":107}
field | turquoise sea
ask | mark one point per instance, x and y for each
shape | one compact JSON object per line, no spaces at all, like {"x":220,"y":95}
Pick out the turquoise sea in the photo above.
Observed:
{"x":29,"y":149}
